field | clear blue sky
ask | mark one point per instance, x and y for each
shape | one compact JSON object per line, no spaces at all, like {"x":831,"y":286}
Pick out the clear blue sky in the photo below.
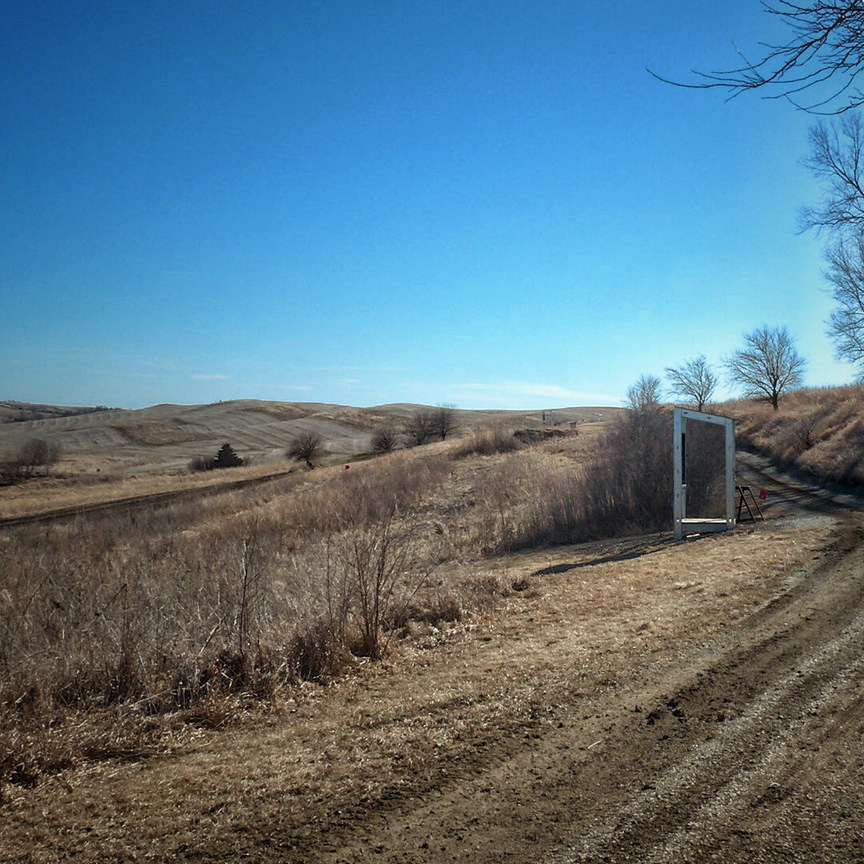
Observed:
{"x":476,"y":203}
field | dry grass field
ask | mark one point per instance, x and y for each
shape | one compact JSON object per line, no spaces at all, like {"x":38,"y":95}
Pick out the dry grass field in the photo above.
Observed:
{"x":172,"y":600}
{"x":115,"y":454}
{"x":389,"y":659}
{"x":820,"y":431}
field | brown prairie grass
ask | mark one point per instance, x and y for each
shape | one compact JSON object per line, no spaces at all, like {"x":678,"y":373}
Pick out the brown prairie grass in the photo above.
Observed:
{"x":820,"y":430}
{"x":152,"y":433}
{"x":44,"y":494}
{"x":182,"y":613}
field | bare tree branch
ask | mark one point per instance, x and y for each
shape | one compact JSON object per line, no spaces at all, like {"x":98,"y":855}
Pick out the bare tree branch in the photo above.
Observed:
{"x":846,"y":324}
{"x":836,"y":157}
{"x":826,"y":47}
{"x":645,"y":394}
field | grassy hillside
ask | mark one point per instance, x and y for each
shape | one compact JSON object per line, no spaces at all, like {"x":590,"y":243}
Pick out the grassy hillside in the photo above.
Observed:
{"x":20,"y":412}
{"x":166,"y":437}
{"x":818,"y":430}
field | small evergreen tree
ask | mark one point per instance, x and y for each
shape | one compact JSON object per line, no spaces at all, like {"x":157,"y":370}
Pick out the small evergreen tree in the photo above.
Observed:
{"x":227,"y":458}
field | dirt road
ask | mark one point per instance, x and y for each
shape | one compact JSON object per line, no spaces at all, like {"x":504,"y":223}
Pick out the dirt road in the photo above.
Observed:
{"x":640,"y":701}
{"x":748,"y":748}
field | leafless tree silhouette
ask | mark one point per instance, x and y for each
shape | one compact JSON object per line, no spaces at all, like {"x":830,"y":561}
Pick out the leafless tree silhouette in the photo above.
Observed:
{"x":694,"y":381}
{"x":645,"y":393}
{"x":768,"y":364}
{"x":815,"y":69}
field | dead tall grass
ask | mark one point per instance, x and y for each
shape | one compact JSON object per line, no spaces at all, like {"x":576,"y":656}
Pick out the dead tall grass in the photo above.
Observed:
{"x":487,"y":441}
{"x":820,"y":430}
{"x":180,"y":610}
{"x":543,"y":495}
{"x":168,"y":608}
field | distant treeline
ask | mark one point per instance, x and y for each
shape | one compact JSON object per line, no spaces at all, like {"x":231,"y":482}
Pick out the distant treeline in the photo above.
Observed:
{"x":20,"y":412}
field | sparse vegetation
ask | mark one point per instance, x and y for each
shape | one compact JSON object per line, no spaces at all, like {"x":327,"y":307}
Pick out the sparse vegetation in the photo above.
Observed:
{"x":421,"y":428}
{"x":384,"y":440}
{"x":177,"y":610}
{"x":307,"y":447}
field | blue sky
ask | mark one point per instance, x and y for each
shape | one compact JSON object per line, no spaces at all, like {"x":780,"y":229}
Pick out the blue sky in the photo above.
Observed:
{"x":486,"y":205}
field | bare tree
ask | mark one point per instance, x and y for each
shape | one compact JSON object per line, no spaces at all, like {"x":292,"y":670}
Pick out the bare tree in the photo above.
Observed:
{"x":421,"y":428}
{"x":836,"y":153}
{"x":36,"y":453}
{"x":767,"y":365}
{"x":445,"y":421}
{"x":846,"y":324}
{"x":306,"y":447}
{"x":815,"y":69}
{"x":694,"y":381}
{"x":645,"y":394}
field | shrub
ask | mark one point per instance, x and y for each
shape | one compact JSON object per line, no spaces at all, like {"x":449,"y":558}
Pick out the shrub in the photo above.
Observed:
{"x":33,"y":454}
{"x":384,"y":440}
{"x":202,"y":463}
{"x":381,"y":571}
{"x":307,"y":447}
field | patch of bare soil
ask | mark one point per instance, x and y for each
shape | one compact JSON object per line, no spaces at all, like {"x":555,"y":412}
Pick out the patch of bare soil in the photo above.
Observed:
{"x":637,"y":700}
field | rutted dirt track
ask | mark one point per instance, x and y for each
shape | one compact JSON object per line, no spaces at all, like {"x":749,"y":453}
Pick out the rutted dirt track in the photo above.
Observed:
{"x":616,"y":712}
{"x":748,"y":749}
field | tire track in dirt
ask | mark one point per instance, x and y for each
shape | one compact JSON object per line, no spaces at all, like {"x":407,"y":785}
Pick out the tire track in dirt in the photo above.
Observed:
{"x":677,"y":768}
{"x":154,"y":499}
{"x":706,"y":792}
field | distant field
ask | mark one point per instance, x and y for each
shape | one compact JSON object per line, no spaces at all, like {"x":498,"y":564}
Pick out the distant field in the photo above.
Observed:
{"x":166,"y":437}
{"x":113,"y":453}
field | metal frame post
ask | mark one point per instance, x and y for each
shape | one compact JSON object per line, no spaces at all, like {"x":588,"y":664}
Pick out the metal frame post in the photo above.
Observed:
{"x":679,"y":500}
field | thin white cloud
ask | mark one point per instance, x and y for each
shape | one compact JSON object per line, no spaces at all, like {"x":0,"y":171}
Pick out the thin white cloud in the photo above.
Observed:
{"x":210,"y":377}
{"x":506,"y":391}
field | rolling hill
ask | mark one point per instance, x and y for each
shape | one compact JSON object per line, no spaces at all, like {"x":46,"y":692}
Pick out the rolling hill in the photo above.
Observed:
{"x":165,"y":437}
